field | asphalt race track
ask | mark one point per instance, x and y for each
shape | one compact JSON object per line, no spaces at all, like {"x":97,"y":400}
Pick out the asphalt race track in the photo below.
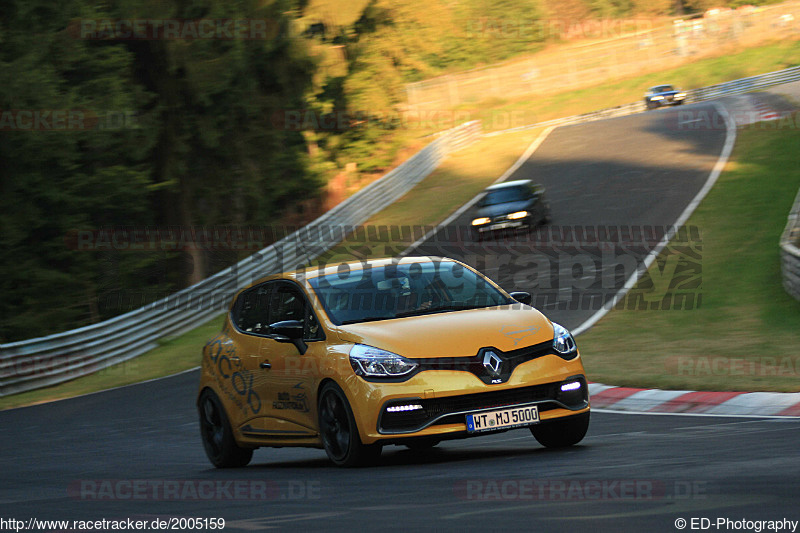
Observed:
{"x":135,"y":452}
{"x":632,"y":176}
{"x":631,"y":473}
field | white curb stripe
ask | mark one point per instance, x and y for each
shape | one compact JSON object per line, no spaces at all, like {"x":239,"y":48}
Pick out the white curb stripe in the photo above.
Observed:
{"x":757,"y":403}
{"x":656,"y":413}
{"x":647,"y":399}
{"x":597,"y":388}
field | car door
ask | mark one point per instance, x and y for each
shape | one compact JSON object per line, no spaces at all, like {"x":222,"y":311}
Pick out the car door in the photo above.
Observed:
{"x":240,"y":377}
{"x":288,"y":378}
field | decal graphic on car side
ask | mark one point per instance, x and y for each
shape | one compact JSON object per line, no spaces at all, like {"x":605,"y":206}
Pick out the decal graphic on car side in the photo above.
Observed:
{"x":235,"y":380}
{"x":296,"y":402}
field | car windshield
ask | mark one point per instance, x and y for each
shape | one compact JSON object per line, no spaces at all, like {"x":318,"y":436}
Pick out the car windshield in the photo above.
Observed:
{"x":402,"y":290}
{"x":505,"y":195}
{"x":663,"y":88}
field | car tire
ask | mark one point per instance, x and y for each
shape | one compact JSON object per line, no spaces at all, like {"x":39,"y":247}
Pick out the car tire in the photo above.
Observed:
{"x":215,"y":430}
{"x":562,"y":433}
{"x":339,"y":431}
{"x":422,"y":445}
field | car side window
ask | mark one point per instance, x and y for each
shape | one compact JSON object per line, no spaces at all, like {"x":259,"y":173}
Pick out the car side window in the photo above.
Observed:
{"x":289,"y":303}
{"x":251,"y":312}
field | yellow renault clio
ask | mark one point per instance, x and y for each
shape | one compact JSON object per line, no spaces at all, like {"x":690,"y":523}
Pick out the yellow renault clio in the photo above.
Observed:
{"x":410,"y":351}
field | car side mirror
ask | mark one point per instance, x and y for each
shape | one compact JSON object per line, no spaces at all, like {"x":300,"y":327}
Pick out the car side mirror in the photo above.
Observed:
{"x":522,"y":297}
{"x":290,"y":331}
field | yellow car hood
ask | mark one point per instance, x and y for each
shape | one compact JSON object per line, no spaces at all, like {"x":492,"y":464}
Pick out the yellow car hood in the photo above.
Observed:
{"x":453,"y":334}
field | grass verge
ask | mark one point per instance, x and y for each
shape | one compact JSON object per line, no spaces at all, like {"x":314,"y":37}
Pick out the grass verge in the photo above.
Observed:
{"x":502,"y":114}
{"x":171,"y":356}
{"x":745,"y":336}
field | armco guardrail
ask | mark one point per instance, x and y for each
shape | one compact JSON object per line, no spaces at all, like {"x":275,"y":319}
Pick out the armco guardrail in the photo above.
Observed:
{"x":44,"y":361}
{"x":36,"y":363}
{"x":790,"y":252}
{"x":730,"y":88}
{"x":745,"y":85}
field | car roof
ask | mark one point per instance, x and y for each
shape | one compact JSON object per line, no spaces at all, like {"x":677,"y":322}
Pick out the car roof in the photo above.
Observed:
{"x":654,"y":87}
{"x":506,"y":184}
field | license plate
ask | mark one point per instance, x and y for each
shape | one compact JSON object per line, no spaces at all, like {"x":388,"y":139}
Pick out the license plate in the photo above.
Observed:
{"x":503,"y":418}
{"x":506,"y":225}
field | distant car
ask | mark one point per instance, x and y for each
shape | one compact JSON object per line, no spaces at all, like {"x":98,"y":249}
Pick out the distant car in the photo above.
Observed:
{"x":355,"y":356}
{"x":662,"y":95}
{"x":511,"y":205}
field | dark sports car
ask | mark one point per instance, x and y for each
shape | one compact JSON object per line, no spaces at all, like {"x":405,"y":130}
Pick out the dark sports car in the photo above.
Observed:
{"x":662,"y":95}
{"x":510,"y":206}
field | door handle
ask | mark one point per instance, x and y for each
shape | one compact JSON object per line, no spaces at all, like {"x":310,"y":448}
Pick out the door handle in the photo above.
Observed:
{"x":265,"y":364}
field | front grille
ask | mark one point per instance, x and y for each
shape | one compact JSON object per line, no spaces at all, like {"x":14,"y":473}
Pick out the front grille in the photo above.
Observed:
{"x":487,"y":400}
{"x":474,"y":364}
{"x":437,"y":411}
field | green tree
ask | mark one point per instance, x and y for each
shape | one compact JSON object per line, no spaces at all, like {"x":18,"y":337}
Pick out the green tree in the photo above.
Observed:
{"x":196,"y":147}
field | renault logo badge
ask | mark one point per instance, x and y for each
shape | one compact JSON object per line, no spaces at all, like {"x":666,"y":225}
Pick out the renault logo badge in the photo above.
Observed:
{"x":492,"y":362}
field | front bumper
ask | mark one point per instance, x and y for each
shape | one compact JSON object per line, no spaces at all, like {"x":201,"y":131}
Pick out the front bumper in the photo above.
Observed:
{"x":668,"y":100}
{"x":446,"y":396}
{"x":453,"y":409}
{"x":504,"y":224}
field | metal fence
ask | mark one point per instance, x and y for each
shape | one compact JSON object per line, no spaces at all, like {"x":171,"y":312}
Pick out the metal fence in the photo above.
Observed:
{"x":790,"y":251}
{"x":36,"y":363}
{"x":615,"y":49}
{"x":730,"y":88}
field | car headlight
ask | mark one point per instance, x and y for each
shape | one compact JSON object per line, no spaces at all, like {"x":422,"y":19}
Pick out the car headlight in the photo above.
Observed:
{"x":369,"y":361}
{"x":563,"y":342}
{"x":680,"y":95}
{"x":481,"y":221}
{"x":518,"y":214}
{"x":656,"y":98}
